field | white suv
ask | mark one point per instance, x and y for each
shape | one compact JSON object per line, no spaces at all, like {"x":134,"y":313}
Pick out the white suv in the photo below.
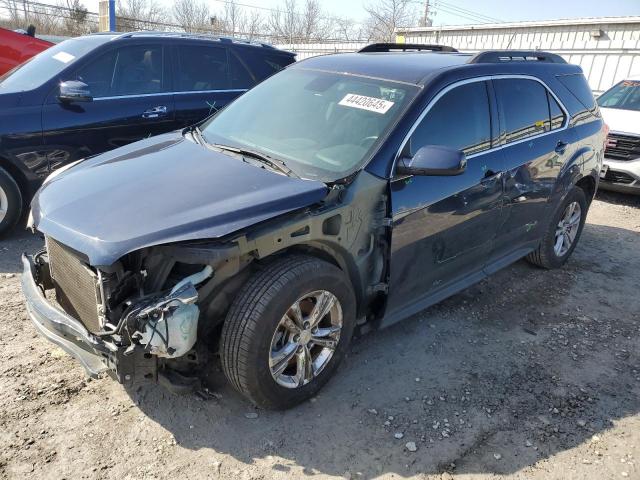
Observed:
{"x":620,"y":106}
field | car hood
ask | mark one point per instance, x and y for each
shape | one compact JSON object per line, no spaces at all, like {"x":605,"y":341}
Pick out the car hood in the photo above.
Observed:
{"x":161,"y":190}
{"x":622,"y":121}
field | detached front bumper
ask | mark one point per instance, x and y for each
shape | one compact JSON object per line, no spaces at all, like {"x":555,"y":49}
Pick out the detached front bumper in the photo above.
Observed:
{"x":93,"y":353}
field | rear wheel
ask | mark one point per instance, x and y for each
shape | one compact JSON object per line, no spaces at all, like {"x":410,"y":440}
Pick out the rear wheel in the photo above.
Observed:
{"x":287,"y":331}
{"x":563,"y":232}
{"x":10,"y":202}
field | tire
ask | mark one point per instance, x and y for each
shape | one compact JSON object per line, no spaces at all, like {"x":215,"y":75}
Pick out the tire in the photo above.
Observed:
{"x":546,"y":255}
{"x":10,"y":202}
{"x":254,"y":323}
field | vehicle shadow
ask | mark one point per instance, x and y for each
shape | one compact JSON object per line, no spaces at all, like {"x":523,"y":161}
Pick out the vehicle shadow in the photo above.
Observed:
{"x":513,"y":370}
{"x":18,"y":240}
{"x":618,"y":198}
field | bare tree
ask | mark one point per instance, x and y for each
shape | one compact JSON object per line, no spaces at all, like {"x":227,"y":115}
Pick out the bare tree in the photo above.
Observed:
{"x":14,"y":10}
{"x":139,"y":15}
{"x":290,"y":24}
{"x":385,"y":16}
{"x":192,"y":15}
{"x":75,"y":15}
{"x":254,"y":25}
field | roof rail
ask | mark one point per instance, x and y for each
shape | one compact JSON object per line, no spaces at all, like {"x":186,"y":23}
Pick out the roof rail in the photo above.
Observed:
{"x":498,"y":56}
{"x":390,"y":47}
{"x":203,"y":36}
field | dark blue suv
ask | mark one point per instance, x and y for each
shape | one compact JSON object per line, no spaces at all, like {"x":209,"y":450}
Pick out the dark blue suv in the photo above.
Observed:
{"x":347,"y":191}
{"x":91,"y":94}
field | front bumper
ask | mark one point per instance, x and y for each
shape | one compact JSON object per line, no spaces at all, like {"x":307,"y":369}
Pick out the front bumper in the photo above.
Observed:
{"x":93,"y":353}
{"x":621,"y":176}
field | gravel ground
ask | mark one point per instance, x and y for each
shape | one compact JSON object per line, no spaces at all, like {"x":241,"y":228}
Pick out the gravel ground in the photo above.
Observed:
{"x":529,"y":374}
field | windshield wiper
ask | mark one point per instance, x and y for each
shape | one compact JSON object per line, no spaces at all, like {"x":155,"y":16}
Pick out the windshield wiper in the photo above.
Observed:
{"x":261,"y":157}
{"x":196,"y":133}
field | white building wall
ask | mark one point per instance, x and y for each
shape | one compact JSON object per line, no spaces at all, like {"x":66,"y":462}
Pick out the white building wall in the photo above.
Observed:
{"x":605,"y":59}
{"x":607,"y":49}
{"x":306,"y":50}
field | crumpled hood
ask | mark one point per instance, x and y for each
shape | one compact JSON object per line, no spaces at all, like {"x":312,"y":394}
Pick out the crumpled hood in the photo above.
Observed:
{"x":160,"y":190}
{"x":622,"y":121}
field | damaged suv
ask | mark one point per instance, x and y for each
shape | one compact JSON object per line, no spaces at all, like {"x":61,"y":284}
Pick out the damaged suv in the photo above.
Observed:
{"x":346,"y":192}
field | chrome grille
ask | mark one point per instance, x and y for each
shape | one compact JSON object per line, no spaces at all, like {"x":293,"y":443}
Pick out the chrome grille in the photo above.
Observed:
{"x":76,"y":284}
{"x":622,"y":147}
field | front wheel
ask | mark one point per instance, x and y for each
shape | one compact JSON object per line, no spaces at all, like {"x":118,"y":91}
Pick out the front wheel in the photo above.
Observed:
{"x":563,"y":232}
{"x":287,"y":331}
{"x":10,"y":201}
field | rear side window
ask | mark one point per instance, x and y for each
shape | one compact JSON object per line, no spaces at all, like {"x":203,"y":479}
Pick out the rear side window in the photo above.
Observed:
{"x":460,"y":119}
{"x":240,"y":76}
{"x":557,"y":115}
{"x":202,"y":67}
{"x":524,"y":107}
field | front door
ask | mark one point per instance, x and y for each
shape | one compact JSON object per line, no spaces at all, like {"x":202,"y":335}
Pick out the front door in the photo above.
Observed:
{"x":444,"y":226}
{"x":132,"y":100}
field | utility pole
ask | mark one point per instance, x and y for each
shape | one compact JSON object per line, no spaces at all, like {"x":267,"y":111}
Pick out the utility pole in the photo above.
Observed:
{"x":425,"y":19}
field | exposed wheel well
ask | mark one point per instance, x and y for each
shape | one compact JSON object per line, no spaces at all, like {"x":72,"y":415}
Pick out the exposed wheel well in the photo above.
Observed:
{"x":588,"y":184}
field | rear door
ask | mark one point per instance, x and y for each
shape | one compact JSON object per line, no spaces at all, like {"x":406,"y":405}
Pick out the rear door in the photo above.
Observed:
{"x":536,"y":143}
{"x":132,"y":100}
{"x":444,"y":226}
{"x":208,"y":77}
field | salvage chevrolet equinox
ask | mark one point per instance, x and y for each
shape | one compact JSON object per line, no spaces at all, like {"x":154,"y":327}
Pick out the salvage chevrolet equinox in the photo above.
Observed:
{"x":346,"y":192}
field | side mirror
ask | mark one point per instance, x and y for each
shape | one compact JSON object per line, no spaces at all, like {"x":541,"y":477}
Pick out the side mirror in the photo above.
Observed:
{"x":74,"y":91}
{"x":433,"y":160}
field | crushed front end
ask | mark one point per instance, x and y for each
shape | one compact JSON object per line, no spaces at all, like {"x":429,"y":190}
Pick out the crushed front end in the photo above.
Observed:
{"x":106,"y":320}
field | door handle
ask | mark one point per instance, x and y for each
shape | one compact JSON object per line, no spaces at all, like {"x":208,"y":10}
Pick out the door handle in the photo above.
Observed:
{"x":155,"y":112}
{"x":561,"y":147}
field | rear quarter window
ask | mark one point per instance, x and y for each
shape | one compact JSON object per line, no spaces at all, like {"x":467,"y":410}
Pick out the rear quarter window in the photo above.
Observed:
{"x":580,"y":89}
{"x":264,"y":62}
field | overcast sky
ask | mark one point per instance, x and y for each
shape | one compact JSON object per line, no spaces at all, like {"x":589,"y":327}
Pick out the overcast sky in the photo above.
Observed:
{"x":506,"y":10}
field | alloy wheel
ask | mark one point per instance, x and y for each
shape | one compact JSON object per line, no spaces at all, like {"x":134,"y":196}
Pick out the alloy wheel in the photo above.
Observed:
{"x":4,"y":204}
{"x":567,"y":229}
{"x":305,"y":339}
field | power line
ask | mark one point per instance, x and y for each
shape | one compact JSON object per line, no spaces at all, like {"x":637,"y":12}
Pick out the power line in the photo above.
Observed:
{"x":466,"y":11}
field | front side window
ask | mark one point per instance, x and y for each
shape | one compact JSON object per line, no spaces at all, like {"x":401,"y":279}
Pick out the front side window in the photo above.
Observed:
{"x":322,"y":125}
{"x":203,"y":67}
{"x":461,"y":119}
{"x":625,"y":95}
{"x":134,"y":70}
{"x":524,"y":107}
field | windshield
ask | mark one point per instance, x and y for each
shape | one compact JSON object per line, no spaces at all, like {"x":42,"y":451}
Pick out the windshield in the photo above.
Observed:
{"x":625,"y":95}
{"x":46,"y":65}
{"x":323,"y":125}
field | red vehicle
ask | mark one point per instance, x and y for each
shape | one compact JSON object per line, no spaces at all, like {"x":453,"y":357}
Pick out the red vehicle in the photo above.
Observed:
{"x":16,"y":48}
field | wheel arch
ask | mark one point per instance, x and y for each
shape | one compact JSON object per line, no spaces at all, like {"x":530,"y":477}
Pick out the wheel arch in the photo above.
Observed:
{"x":20,"y":178}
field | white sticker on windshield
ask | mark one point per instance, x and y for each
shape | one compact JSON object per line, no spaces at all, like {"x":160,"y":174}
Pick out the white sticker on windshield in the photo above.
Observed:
{"x":63,"y":57}
{"x":372,"y":104}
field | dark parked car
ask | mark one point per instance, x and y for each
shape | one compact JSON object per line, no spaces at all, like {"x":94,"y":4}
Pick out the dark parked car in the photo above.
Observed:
{"x":92,"y":94}
{"x":348,"y":191}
